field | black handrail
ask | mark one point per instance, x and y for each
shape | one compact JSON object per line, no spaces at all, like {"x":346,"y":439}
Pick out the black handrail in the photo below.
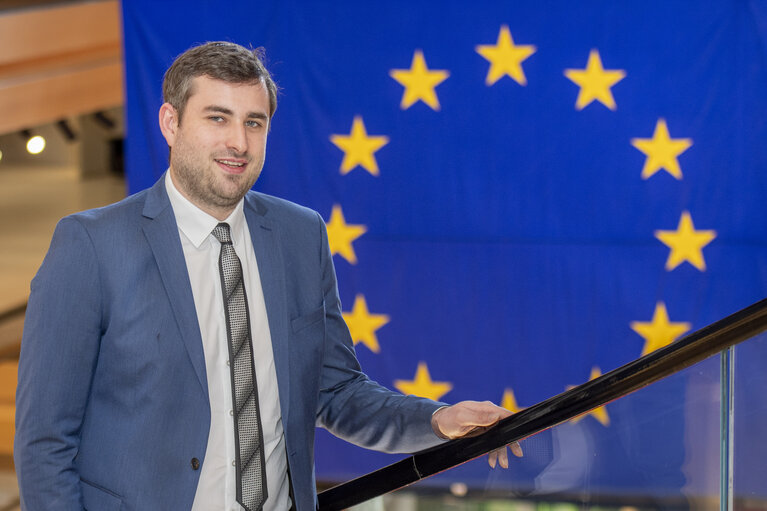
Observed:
{"x":643,"y":371}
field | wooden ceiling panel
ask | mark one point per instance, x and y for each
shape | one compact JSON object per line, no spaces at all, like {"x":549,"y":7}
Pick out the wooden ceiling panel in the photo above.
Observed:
{"x":59,"y":61}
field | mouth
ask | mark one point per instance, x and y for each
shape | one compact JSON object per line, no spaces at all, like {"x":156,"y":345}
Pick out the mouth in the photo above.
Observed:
{"x":232,"y":165}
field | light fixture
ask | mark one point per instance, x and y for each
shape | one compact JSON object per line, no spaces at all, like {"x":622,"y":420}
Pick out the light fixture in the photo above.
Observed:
{"x":104,"y":120}
{"x":1,"y":156}
{"x":66,"y":130}
{"x":35,"y":145}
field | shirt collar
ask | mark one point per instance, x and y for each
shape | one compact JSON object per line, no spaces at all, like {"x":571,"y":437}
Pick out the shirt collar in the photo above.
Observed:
{"x":197,"y":224}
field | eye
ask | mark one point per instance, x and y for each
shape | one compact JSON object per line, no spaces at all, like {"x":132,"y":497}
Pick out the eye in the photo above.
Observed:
{"x":253,"y":124}
{"x":216,"y":118}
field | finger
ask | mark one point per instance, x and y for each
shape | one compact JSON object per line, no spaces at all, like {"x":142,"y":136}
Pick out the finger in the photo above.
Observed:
{"x":503,"y":457}
{"x":478,"y":414}
{"x":492,"y":458}
{"x":486,"y":417}
{"x":516,"y":449}
{"x":472,"y":431}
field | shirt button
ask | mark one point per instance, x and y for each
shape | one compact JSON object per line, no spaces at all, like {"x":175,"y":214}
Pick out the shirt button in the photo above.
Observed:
{"x":234,"y":463}
{"x":195,"y":463}
{"x":227,"y":363}
{"x":231,"y":412}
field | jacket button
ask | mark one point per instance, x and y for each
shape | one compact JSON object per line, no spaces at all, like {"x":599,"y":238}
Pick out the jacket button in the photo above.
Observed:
{"x":195,"y":463}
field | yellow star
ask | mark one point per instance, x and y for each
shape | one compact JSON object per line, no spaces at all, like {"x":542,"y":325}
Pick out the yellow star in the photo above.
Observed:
{"x":341,"y":235}
{"x":686,"y":243}
{"x":422,"y":385}
{"x":419,"y":82}
{"x":505,"y":58}
{"x":358,"y":148}
{"x":600,"y":412}
{"x":661,"y":151}
{"x":660,"y":331}
{"x":363,"y":325}
{"x":509,"y":401}
{"x":595,"y":82}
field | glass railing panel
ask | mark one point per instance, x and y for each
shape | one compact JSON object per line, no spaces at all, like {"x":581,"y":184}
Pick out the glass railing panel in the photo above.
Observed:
{"x":657,"y":448}
{"x":749,"y":418}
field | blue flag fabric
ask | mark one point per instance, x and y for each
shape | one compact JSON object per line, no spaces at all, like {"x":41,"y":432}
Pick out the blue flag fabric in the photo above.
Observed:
{"x":519,"y":198}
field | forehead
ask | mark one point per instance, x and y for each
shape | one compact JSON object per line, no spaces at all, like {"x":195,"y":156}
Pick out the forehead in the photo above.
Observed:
{"x":206,"y":91}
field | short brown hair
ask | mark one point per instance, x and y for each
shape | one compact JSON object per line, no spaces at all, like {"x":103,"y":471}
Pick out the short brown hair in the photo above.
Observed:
{"x":220,"y":60}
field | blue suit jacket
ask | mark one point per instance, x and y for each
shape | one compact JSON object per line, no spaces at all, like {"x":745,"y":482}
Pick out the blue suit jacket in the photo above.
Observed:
{"x":112,"y":402}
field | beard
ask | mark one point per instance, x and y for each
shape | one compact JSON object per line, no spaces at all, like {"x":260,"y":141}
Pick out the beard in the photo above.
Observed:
{"x":205,"y":185}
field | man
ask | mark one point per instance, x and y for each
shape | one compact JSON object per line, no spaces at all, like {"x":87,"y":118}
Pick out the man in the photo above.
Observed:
{"x":181,"y":345}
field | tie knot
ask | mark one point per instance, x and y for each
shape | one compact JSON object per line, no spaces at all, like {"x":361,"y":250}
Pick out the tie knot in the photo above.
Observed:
{"x":221,"y":232}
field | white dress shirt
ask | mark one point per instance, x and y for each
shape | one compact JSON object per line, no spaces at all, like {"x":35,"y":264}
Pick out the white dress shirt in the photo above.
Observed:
{"x":217,"y":487}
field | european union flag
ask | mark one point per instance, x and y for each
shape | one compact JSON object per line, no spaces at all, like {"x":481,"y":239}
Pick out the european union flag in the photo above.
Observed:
{"x":519,"y":196}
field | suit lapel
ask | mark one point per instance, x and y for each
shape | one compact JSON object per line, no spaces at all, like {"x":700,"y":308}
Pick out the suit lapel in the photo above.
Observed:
{"x":271,"y":270}
{"x":161,"y":233}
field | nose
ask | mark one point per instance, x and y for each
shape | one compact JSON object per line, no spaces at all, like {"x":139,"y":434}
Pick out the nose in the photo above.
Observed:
{"x":237,"y":139}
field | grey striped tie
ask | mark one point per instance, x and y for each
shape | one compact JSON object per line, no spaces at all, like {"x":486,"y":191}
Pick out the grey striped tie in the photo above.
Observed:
{"x":248,"y":439}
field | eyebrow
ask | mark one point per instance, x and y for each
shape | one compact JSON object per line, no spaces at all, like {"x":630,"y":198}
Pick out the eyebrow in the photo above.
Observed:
{"x":226,"y":111}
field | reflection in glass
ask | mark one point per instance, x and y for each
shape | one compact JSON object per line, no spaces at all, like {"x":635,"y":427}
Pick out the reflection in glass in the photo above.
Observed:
{"x":657,"y":448}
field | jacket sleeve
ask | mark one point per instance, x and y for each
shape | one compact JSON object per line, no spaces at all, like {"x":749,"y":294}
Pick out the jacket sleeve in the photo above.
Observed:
{"x":59,"y":348}
{"x":353,"y":407}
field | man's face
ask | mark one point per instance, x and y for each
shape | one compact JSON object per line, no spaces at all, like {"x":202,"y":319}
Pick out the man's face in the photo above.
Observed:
{"x":218,"y":148}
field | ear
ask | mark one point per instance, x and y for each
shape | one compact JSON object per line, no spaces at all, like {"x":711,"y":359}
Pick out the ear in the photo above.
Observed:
{"x":168,"y":123}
